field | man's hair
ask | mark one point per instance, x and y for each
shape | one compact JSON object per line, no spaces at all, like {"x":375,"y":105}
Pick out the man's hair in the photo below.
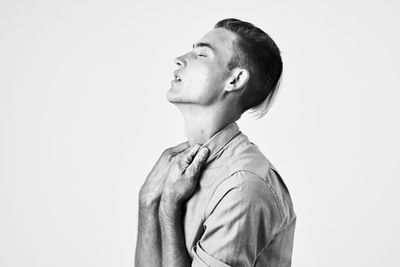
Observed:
{"x":255,"y":51}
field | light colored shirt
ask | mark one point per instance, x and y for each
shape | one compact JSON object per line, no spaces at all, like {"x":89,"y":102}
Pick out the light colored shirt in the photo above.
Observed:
{"x":241,"y":213}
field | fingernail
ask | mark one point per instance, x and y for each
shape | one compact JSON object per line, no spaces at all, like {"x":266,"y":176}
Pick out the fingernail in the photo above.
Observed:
{"x":204,"y":150}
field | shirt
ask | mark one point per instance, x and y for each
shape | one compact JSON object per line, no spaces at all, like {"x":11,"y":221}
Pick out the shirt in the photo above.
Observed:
{"x":241,"y":213}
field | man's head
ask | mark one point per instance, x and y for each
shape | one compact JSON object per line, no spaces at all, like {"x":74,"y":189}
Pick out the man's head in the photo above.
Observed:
{"x":236,"y":64}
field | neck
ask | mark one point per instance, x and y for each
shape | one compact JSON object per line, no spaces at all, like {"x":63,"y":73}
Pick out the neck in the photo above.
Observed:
{"x":201,"y":124}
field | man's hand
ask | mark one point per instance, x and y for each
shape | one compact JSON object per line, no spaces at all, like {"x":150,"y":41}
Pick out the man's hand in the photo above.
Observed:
{"x":183,"y":174}
{"x":148,"y":246}
{"x":151,"y":191}
{"x":179,"y":186}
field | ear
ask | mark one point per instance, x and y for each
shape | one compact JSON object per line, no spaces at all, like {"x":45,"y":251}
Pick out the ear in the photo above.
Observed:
{"x":237,"y":80}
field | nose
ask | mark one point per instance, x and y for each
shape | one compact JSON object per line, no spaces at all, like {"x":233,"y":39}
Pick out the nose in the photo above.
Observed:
{"x":180,"y":61}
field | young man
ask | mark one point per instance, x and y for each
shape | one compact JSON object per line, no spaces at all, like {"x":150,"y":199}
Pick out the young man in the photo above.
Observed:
{"x":215,"y":200}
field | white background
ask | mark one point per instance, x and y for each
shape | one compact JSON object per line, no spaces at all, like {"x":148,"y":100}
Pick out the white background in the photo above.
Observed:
{"x":83,"y":118}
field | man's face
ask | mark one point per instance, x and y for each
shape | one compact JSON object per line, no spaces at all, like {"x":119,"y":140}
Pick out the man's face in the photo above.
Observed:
{"x":202,"y":73}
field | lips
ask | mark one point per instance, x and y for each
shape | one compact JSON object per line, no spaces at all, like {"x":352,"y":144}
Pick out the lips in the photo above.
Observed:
{"x":177,"y":76}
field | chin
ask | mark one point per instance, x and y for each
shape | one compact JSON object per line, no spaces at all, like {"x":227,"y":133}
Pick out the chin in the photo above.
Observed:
{"x":179,"y":96}
{"x":179,"y":100}
{"x":170,"y":95}
{"x":173,"y":97}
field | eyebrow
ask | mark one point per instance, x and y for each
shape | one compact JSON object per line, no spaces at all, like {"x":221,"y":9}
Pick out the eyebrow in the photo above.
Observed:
{"x":196,"y":45}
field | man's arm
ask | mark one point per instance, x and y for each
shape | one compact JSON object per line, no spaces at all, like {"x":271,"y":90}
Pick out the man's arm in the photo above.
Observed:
{"x":242,"y":217}
{"x":173,"y":241}
{"x":180,"y":184}
{"x":148,"y":246}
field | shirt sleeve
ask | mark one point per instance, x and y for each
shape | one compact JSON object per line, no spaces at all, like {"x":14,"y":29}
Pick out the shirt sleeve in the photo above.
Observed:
{"x":242,"y":219}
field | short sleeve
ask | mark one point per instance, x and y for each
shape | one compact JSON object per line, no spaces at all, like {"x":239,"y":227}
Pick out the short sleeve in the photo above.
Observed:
{"x":242,"y":219}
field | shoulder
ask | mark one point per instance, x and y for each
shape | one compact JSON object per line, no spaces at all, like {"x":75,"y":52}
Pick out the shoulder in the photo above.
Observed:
{"x":244,"y":188}
{"x":245,"y":191}
{"x":247,"y":177}
{"x":244,"y":155}
{"x":247,"y":199}
{"x":248,"y":160}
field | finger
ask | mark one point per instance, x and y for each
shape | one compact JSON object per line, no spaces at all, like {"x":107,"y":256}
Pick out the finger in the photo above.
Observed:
{"x":199,"y":160}
{"x":188,"y":157}
{"x":179,"y":148}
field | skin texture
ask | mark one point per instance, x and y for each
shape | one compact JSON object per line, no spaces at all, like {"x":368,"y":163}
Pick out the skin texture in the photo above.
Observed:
{"x":208,"y":93}
{"x":207,"y":96}
{"x":203,"y":70}
{"x":182,"y":176}
{"x":181,"y":182}
{"x":173,"y":187}
{"x":148,"y":246}
{"x":151,"y":191}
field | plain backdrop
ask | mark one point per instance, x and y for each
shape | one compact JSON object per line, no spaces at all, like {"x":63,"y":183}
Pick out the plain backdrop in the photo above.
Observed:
{"x":84,"y":117}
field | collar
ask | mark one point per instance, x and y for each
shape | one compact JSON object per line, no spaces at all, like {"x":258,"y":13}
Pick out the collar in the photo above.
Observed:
{"x":221,"y":139}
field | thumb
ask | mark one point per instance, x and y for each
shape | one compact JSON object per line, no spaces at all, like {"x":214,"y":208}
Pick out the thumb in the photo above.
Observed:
{"x":187,"y":158}
{"x":194,"y":168}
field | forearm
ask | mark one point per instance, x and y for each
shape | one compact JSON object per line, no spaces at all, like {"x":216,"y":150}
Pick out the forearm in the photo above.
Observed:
{"x":148,"y":245}
{"x":173,"y":242}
